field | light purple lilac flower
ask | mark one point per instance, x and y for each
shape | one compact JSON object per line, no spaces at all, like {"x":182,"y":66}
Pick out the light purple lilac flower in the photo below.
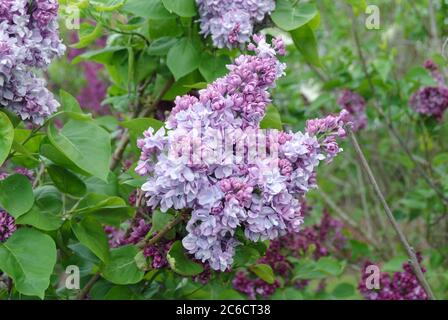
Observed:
{"x":29,"y":39}
{"x":263,"y":196}
{"x":230,"y":22}
{"x":356,"y":107}
{"x":7,"y":226}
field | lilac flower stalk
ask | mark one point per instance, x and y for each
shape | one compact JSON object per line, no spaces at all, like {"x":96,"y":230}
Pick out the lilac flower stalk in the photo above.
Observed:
{"x":29,"y":39}
{"x":202,"y":160}
{"x":230,"y":22}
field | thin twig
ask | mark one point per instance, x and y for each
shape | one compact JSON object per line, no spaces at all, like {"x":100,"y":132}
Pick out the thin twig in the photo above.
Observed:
{"x":410,"y":251}
{"x":39,"y":175}
{"x":433,"y":24}
{"x":143,"y":243}
{"x":85,"y":291}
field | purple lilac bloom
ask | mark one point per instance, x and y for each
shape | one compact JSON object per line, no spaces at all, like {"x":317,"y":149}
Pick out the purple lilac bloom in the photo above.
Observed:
{"x":230,"y":22}
{"x":157,"y":253}
{"x":402,"y":285}
{"x":29,"y":39}
{"x":355,"y":105}
{"x":431,"y":101}
{"x":264,"y":196}
{"x":7,"y":226}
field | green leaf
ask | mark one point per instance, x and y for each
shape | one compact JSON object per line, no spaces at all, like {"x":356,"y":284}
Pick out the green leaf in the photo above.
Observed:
{"x":29,"y":257}
{"x":395,"y":264}
{"x":161,"y":46}
{"x":287,"y":294}
{"x":213,"y":67}
{"x":245,"y":255}
{"x":6,"y":136}
{"x":48,"y":151}
{"x":95,"y":185}
{"x":138,"y":126}
{"x":306,"y":269}
{"x":91,"y":234}
{"x":16,"y":195}
{"x":272,"y":119}
{"x":105,"y":209}
{"x":180,"y":263}
{"x":88,"y":34}
{"x":69,"y":103}
{"x":121,"y":293}
{"x":104,"y":56}
{"x":305,"y":41}
{"x":343,"y":290}
{"x":330,"y":266}
{"x":85,"y":144}
{"x":46,"y":211}
{"x":183,"y":8}
{"x":121,"y":268}
{"x":264,"y":272}
{"x":183,"y":58}
{"x":149,"y":9}
{"x":289,"y":17}
{"x":66,"y":181}
{"x":165,"y":28}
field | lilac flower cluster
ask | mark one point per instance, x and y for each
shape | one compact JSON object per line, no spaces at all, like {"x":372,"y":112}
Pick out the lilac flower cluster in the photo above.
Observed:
{"x":431,"y":101}
{"x":230,"y":22}
{"x":7,"y":225}
{"x":399,"y":286}
{"x":323,"y":237}
{"x":355,"y":105}
{"x":137,"y":232}
{"x":29,"y":39}
{"x":263,"y":197}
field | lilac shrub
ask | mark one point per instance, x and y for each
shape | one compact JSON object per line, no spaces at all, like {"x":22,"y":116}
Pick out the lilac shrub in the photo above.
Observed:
{"x":29,"y":39}
{"x":402,"y":285}
{"x":431,"y":101}
{"x":189,"y":168}
{"x":230,"y":22}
